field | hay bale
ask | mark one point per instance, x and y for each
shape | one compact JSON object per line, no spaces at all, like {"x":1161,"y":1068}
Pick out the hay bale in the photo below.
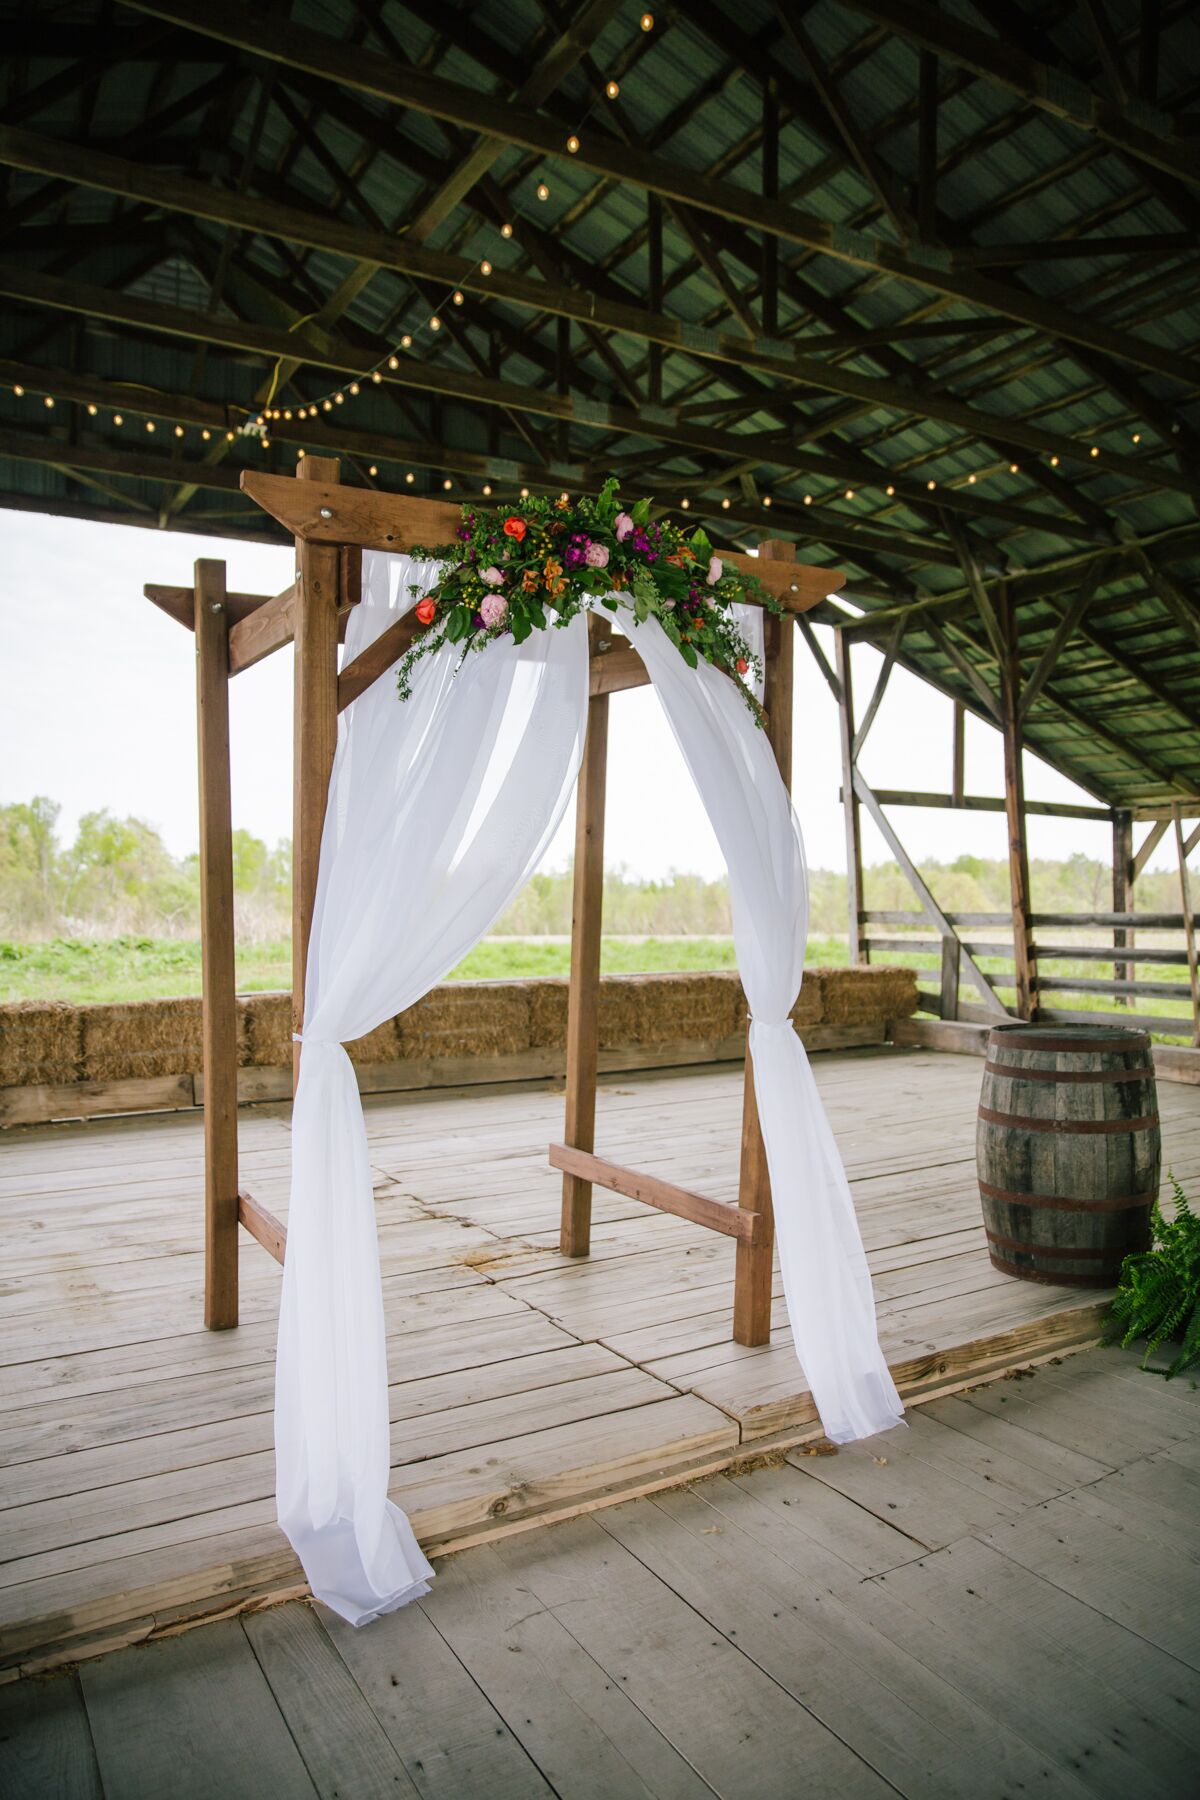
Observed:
{"x":138,"y":1039}
{"x":268,"y":1029}
{"x":807,"y":1010}
{"x":548,"y":1012}
{"x":41,"y":1043}
{"x":676,"y":1008}
{"x":467,"y":1018}
{"x":863,"y":996}
{"x":378,"y":1046}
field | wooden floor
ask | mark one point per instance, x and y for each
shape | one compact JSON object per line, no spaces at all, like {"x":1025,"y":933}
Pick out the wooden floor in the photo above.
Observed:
{"x":137,"y":1447}
{"x":1001,"y":1600}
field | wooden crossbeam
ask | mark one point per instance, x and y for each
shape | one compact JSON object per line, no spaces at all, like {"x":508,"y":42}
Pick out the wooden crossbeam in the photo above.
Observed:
{"x":263,"y":1225}
{"x":332,"y":59}
{"x":179,"y":603}
{"x":732,"y":1221}
{"x":269,"y":628}
{"x":375,"y":520}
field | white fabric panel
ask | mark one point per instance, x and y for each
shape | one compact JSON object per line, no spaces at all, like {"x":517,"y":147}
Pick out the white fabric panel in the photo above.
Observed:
{"x":825,"y":1274}
{"x":439,"y":810}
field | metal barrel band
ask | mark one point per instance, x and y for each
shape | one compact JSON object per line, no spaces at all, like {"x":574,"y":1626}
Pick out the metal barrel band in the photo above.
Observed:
{"x":1068,"y":1203}
{"x":1070,"y":1252}
{"x":1072,"y":1127}
{"x":1018,"y":1072}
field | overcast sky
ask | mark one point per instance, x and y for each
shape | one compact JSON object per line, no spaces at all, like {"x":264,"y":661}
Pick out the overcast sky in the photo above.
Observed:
{"x":97,"y":709}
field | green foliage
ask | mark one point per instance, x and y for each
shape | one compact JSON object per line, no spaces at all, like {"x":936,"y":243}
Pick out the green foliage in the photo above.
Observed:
{"x":1159,"y":1292}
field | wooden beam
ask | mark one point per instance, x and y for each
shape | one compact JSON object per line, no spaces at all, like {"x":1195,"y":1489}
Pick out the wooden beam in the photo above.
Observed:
{"x":314,"y":724}
{"x":263,"y":1225}
{"x":1094,"y":574}
{"x":880,"y":688}
{"x":774,"y":358}
{"x":219,"y":1016}
{"x":1025,"y":955}
{"x":583,"y":1005}
{"x":1122,"y":888}
{"x":853,"y":828}
{"x":179,"y":603}
{"x":376,"y":520}
{"x":731,"y":1221}
{"x":268,"y":628}
{"x":614,"y":671}
{"x":958,"y":801}
{"x":1001,"y":60}
{"x":391,"y":644}
{"x":1189,"y":924}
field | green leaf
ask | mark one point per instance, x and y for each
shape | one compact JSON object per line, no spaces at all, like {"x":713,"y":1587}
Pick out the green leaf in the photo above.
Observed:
{"x":641,"y":512}
{"x":688,"y":653}
{"x":458,"y":624}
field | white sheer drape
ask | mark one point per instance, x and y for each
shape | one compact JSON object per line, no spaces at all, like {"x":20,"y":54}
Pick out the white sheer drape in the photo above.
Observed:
{"x":824,"y":1268}
{"x":439,"y":810}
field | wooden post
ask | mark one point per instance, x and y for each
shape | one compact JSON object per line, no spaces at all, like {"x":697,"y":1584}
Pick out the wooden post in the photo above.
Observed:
{"x":314,"y":728}
{"x":219,"y":1028}
{"x":1024,"y":956}
{"x":1189,"y":922}
{"x":1122,"y":894}
{"x":951,"y":947}
{"x":854,"y":876}
{"x":587,"y":908}
{"x":754,"y":1263}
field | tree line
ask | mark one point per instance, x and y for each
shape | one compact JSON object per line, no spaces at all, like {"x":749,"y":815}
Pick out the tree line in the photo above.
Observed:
{"x":118,"y":878}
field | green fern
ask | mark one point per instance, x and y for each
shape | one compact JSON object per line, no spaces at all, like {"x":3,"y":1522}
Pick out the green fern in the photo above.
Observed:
{"x":1159,"y":1292}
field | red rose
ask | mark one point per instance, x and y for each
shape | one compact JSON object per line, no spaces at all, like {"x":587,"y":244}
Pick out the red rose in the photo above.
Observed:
{"x":514,"y":528}
{"x":427,"y":610}
{"x":742,"y":665}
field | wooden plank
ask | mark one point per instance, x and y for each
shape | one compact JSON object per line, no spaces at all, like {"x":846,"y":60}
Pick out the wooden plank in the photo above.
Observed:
{"x":220,"y":1025}
{"x":345,"y":1749}
{"x":854,"y":891}
{"x":376,"y":659}
{"x":45,"y":1744}
{"x":1025,"y":955}
{"x":192,"y":1716}
{"x":263,"y":1225}
{"x":653,"y":1191}
{"x":314,"y":716}
{"x":587,"y":910}
{"x":1189,"y":924}
{"x":940,"y":1034}
{"x":375,"y":520}
{"x":267,"y":629}
{"x":51,"y":1102}
{"x":614,"y":672}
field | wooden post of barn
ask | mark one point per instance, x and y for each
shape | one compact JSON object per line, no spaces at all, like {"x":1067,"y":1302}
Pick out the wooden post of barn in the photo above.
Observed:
{"x":858,"y":950}
{"x":755,"y":1260}
{"x":1024,"y":953}
{"x":314,"y":728}
{"x":219,"y":1027}
{"x":583,"y":1005}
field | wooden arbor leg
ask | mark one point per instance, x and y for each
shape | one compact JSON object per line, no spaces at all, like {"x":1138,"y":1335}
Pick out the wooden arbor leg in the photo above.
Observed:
{"x":314,"y":729}
{"x":587,"y":905}
{"x":217,"y":943}
{"x":754,"y":1262}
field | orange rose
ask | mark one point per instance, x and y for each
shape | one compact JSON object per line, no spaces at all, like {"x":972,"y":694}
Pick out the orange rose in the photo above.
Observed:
{"x":427,"y":610}
{"x":742,"y":665}
{"x":515,"y":528}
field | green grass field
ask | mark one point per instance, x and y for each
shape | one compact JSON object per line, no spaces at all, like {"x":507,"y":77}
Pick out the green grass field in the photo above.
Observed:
{"x":136,"y":968}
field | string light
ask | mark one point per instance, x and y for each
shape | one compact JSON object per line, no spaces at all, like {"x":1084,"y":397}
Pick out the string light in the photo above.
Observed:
{"x":206,"y":434}
{"x":931,"y":485}
{"x":685,"y":503}
{"x":889,"y":492}
{"x":149,"y":424}
{"x":327,"y":405}
{"x":1095,"y":449}
{"x":1137,"y":437}
{"x":229,"y":436}
{"x":970,"y":481}
{"x":118,"y":419}
{"x":725,"y":504}
{"x":524,"y":493}
{"x":1014,"y":468}
{"x":612,"y":89}
{"x":405,"y":343}
{"x":393,"y":362}
{"x":410,"y":477}
{"x":19,"y":391}
{"x":179,"y":431}
{"x":353,"y":390}
{"x":808,"y":499}
{"x":49,"y":400}
{"x":849,"y":493}
{"x":338,"y":399}
{"x":506,"y":230}
{"x":766,"y":499}
{"x":1054,"y":462}
{"x":376,"y":377}
{"x":447,"y":484}
{"x":372,"y":470}
{"x":300,"y":454}
{"x":435,"y":324}
{"x":485,"y":267}
{"x":93,"y":409}
{"x":543,"y":192}
{"x":458,"y":299}
{"x":572,"y":144}
{"x":647,"y":21}
{"x":487,"y":489}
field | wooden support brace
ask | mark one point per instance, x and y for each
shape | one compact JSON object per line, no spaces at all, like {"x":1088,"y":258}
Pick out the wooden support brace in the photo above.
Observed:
{"x":732,"y":1221}
{"x":219,"y":1024}
{"x":263,"y":1225}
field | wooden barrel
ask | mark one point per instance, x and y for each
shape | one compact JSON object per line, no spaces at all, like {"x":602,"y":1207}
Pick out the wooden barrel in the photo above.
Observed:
{"x":1068,"y":1149}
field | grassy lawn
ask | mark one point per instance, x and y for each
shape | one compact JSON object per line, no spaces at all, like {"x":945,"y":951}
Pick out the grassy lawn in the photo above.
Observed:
{"x":82,"y":970}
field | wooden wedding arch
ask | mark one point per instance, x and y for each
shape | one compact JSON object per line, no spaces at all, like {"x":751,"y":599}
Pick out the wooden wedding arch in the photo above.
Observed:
{"x":332,"y":525}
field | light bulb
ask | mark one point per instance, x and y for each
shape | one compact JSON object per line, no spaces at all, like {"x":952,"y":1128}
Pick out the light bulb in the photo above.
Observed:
{"x":93,"y":409}
{"x":376,"y":377}
{"x":288,"y":411}
{"x":435,"y":324}
{"x":458,"y":299}
{"x":18,"y":390}
{"x":300,"y":455}
{"x":970,"y":480}
{"x":410,"y":476}
{"x":149,"y":424}
{"x":931,"y":485}
{"x":766,"y":499}
{"x":1014,"y":468}
{"x":266,"y":443}
{"x":339,"y":398}
{"x":506,"y":230}
{"x":1095,"y":449}
{"x":229,"y":435}
{"x":327,"y":405}
{"x":406,"y":342}
{"x":49,"y":401}
{"x":118,"y":419}
{"x":353,"y":387}
{"x":1137,"y":437}
{"x":393,"y":362}
{"x":612,"y":89}
{"x":179,"y":431}
{"x":447,"y":484}
{"x":543,"y":192}
{"x":647,"y":21}
{"x":206,"y":434}
{"x":1054,"y":462}
{"x":524,"y":493}
{"x":487,"y":488}
{"x":572,"y":144}
{"x":849,"y":493}
{"x":485,"y":267}
{"x":725,"y":504}
{"x":685,"y":503}
{"x":890,"y":491}
{"x":372,"y":470}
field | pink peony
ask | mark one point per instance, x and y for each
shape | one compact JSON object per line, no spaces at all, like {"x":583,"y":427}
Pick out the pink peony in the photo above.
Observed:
{"x":493,"y":609}
{"x":622,"y":525}
{"x":716,"y":569}
{"x":596,"y":556}
{"x":492,"y":576}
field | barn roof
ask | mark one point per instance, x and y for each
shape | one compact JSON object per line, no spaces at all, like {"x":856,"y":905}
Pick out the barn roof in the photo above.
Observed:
{"x":924,"y":279}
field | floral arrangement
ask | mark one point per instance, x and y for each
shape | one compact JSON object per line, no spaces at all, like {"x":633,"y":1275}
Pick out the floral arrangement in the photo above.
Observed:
{"x":541,"y":566}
